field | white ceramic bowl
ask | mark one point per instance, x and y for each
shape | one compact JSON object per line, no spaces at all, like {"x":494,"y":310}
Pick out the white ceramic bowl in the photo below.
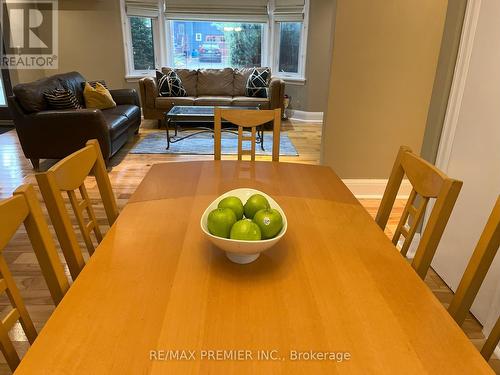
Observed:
{"x":242,"y":252}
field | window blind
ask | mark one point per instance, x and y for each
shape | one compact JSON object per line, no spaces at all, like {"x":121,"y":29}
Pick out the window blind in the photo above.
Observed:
{"x":289,"y":10}
{"x":217,"y":10}
{"x":145,"y":8}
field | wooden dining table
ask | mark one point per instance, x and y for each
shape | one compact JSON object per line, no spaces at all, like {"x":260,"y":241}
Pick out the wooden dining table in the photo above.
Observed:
{"x":334,"y":296}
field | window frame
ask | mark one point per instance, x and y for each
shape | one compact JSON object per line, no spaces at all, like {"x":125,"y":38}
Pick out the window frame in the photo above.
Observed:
{"x":132,"y":74}
{"x":300,"y":74}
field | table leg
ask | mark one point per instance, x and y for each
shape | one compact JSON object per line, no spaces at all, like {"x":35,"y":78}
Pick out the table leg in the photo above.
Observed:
{"x":261,"y":135}
{"x":167,"y":125}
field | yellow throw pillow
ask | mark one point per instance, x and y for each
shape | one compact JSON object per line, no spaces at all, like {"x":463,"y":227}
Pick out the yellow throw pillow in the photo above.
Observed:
{"x":98,"y":98}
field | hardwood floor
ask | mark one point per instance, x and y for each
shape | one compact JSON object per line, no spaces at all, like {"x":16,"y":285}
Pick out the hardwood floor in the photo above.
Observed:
{"x":126,"y":173}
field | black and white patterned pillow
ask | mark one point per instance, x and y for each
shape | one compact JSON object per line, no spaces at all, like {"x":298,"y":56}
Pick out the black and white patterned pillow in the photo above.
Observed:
{"x":170,"y":84}
{"x":258,"y":82}
{"x":61,"y":99}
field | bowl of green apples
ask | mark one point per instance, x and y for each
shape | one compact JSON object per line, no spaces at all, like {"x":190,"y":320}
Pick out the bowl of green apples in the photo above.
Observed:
{"x":244,"y":223}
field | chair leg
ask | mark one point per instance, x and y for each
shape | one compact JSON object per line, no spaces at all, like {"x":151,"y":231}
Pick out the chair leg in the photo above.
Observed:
{"x":492,"y":342}
{"x":36,"y":164}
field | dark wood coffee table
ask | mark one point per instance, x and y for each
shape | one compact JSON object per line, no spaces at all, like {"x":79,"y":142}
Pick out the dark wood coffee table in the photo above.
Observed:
{"x":180,"y":114}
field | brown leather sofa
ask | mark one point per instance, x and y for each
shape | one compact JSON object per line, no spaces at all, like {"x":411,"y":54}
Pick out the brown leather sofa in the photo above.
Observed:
{"x":54,"y":134}
{"x":219,"y":87}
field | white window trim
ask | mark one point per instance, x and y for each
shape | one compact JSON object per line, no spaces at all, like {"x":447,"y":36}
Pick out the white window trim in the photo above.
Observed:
{"x":163,"y":46}
{"x":298,"y":78}
{"x":131,"y":74}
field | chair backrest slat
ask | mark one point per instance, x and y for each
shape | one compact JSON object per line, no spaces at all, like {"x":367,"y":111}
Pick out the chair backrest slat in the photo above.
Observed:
{"x":244,"y":118}
{"x":474,"y":275}
{"x":478,"y":267}
{"x":428,"y":183}
{"x":23,"y":207}
{"x":9,"y":224}
{"x":72,"y":171}
{"x":67,"y":176}
{"x":43,"y":244}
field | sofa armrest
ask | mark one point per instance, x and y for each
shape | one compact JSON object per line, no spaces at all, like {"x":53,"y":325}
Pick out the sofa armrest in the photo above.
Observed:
{"x":125,"y":96}
{"x":56,"y":134}
{"x":277,"y":94}
{"x":149,"y":92}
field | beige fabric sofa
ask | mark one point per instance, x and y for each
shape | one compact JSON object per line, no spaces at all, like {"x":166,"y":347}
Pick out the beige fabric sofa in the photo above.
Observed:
{"x":220,"y":87}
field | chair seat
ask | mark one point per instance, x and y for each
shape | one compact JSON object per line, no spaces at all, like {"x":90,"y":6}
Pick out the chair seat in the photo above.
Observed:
{"x":248,"y":101}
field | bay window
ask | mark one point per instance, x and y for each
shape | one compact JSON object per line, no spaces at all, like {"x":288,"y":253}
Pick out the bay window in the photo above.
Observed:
{"x":204,"y":34}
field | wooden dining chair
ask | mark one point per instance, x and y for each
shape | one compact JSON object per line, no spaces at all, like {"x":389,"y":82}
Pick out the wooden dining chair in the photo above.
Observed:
{"x":474,"y":275}
{"x":69,"y":175}
{"x":427,"y":182}
{"x":249,"y":119}
{"x":23,"y":207}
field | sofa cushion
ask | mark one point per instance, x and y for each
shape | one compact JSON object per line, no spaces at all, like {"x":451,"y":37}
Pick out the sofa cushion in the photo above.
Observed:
{"x":213,"y":100}
{"x":117,"y":124}
{"x":215,"y":82}
{"x":240,"y":79}
{"x":245,"y":101}
{"x":30,"y":95}
{"x":127,"y":110}
{"x":188,"y":77}
{"x":167,"y":103}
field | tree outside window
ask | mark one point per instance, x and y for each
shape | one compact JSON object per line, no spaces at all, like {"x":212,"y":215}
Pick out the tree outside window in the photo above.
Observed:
{"x":142,"y":43}
{"x":289,"y":53}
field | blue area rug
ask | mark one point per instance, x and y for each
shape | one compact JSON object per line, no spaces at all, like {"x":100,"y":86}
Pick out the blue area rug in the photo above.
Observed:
{"x":203,"y":144}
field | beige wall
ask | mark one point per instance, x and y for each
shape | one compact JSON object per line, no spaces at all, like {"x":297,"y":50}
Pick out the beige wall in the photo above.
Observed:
{"x":313,"y":95}
{"x":384,"y":61}
{"x":90,"y":41}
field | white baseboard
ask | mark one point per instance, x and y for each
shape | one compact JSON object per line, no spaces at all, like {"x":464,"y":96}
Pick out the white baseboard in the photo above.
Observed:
{"x":374,"y":188}
{"x":295,"y":114}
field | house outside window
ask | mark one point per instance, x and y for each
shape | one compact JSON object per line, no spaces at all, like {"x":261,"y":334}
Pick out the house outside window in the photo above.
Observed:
{"x":203,"y":44}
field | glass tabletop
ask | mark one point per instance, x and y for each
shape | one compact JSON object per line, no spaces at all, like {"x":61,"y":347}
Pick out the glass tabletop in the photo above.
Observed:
{"x":184,"y":110}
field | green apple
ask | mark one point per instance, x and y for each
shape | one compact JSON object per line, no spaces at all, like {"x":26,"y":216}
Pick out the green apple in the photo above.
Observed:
{"x":245,"y":230}
{"x":255,"y":203}
{"x":234,"y":203}
{"x":269,"y":221}
{"x":220,"y":221}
